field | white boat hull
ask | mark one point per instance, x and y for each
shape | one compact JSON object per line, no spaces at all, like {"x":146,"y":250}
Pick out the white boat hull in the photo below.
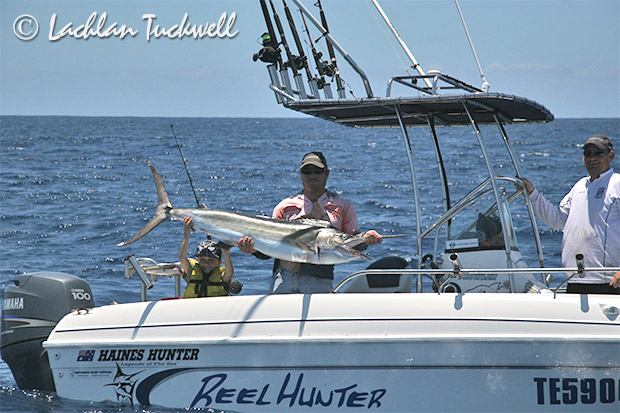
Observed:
{"x":333,"y":352}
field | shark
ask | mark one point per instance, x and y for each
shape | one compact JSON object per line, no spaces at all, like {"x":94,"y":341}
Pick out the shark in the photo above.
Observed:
{"x":306,"y":240}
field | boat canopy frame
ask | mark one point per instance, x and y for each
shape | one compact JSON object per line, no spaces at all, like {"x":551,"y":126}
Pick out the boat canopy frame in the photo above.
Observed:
{"x":441,"y":100}
{"x":502,"y":207}
{"x":469,"y":109}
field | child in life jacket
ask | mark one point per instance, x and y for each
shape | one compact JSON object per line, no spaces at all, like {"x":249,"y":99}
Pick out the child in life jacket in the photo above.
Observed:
{"x":204,"y":275}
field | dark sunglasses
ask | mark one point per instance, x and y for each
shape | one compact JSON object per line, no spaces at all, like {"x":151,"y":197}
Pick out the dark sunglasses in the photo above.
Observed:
{"x":595,"y":154}
{"x":316,"y":171}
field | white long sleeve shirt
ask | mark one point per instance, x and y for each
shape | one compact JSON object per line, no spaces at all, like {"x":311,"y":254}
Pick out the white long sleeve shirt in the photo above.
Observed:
{"x":590,"y":217}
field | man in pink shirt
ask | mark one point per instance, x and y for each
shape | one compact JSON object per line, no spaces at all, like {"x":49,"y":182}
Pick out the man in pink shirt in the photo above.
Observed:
{"x":314,"y":202}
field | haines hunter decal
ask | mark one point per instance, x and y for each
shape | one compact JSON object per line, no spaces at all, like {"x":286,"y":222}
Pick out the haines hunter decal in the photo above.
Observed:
{"x":154,"y":354}
{"x":121,"y":355}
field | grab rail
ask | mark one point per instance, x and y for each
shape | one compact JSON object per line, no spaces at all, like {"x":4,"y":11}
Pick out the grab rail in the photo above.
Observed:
{"x":461,"y":272}
{"x":147,"y":266}
{"x":453,"y":83}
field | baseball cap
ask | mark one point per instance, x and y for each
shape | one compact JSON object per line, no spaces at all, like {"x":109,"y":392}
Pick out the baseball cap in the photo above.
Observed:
{"x":600,"y":141}
{"x":314,"y":158}
{"x":208,"y":248}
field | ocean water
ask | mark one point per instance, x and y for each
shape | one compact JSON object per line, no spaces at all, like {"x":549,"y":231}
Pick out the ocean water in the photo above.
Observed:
{"x":74,"y":187}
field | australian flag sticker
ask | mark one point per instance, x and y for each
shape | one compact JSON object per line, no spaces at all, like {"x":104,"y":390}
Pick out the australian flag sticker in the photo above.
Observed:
{"x":86,"y":355}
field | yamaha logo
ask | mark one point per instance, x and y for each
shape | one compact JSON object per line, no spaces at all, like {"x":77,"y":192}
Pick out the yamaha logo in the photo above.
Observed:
{"x":15,"y":303}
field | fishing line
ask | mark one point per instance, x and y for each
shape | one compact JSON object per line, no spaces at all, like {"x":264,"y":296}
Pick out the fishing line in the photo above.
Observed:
{"x":186,"y":168}
{"x":388,"y":38}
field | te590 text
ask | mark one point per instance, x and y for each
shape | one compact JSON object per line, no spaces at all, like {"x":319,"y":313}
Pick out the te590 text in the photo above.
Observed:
{"x":554,"y":390}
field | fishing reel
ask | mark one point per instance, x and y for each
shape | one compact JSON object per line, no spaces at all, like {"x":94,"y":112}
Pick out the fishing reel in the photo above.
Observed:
{"x":269,"y":53}
{"x":327,"y":68}
{"x":299,"y":62}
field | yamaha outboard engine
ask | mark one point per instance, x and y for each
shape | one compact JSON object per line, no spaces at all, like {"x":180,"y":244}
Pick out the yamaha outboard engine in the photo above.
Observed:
{"x":31,"y":309}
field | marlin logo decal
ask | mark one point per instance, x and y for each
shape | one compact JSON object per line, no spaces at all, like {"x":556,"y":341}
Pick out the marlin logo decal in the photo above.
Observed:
{"x":124,"y":384}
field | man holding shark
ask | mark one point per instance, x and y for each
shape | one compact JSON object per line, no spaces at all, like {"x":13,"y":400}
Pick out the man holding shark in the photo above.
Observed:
{"x":313,"y":202}
{"x":304,"y":237}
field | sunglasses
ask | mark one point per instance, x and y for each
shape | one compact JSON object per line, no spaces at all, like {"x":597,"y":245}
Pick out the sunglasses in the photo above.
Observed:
{"x":316,"y":171}
{"x":594,"y":154}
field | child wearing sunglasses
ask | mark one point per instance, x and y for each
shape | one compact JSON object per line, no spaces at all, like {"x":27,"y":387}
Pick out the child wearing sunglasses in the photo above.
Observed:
{"x":204,"y":275}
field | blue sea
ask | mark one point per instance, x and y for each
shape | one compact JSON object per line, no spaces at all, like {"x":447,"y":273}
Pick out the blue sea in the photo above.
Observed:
{"x":74,"y":187}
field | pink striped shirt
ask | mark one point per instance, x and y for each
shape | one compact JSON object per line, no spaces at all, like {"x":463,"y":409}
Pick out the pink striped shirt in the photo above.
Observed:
{"x":341,"y":212}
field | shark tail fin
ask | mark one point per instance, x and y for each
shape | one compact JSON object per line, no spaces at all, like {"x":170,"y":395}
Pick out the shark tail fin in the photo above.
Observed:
{"x":161,"y":212}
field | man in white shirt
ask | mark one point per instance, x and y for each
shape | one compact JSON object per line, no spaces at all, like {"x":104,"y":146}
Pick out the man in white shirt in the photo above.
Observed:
{"x":590,"y":217}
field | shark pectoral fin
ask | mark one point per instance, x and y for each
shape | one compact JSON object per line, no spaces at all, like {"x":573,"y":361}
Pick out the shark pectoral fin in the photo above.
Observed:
{"x":348,"y":251}
{"x":304,"y":247}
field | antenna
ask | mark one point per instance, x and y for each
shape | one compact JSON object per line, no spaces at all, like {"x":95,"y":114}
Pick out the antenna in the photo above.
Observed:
{"x":485,"y":84}
{"x":416,"y":65}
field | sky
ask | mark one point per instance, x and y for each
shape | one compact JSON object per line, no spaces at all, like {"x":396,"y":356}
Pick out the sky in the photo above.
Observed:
{"x":563,"y":54}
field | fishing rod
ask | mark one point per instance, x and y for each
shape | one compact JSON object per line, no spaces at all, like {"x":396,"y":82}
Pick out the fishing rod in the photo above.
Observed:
{"x":302,"y":61}
{"x":320,"y":65}
{"x":398,"y":236}
{"x":337,"y":47}
{"x":270,"y":53}
{"x":292,"y":59}
{"x":186,"y":169}
{"x":332,"y":54}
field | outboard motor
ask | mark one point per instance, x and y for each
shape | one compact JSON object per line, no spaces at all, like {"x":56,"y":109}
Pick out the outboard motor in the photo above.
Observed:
{"x":31,"y":309}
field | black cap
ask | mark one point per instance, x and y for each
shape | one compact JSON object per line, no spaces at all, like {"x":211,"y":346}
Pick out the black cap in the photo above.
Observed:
{"x":208,"y":248}
{"x":600,"y":141}
{"x":314,"y":158}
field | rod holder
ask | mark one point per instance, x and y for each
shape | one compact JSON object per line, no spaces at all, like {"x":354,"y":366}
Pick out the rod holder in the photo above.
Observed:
{"x":454,"y":259}
{"x":579,"y":259}
{"x":580,"y":271}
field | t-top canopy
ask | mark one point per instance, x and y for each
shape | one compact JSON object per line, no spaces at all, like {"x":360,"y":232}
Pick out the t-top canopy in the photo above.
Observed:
{"x":447,"y":110}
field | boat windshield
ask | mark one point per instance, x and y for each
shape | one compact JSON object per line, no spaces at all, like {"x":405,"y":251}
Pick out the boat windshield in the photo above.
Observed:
{"x":474,"y":223}
{"x":478,"y":225}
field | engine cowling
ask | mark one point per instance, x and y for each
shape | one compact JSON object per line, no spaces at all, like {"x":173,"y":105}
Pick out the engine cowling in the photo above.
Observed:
{"x":31,"y":308}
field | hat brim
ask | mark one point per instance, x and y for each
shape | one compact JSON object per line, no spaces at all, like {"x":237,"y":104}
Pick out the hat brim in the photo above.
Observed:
{"x":313,"y":162}
{"x":598,"y":144}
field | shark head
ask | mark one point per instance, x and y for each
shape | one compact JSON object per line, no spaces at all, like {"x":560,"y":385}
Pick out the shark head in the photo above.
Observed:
{"x":343,"y":244}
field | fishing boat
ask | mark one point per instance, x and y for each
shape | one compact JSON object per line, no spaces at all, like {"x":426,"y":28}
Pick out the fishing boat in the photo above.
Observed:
{"x":464,"y":326}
